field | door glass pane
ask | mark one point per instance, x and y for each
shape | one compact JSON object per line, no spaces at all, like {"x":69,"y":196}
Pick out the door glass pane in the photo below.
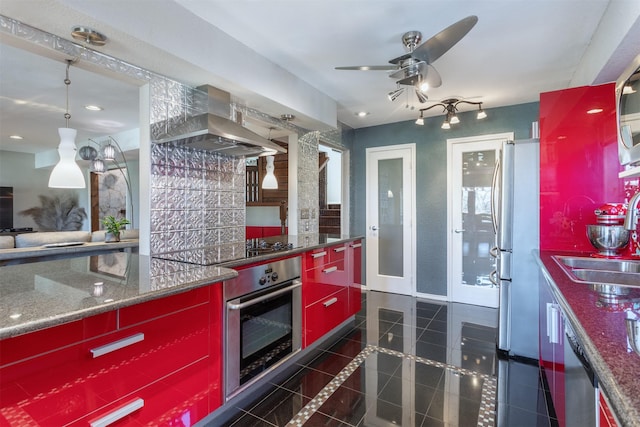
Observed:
{"x":478,"y":236}
{"x":390,"y":238}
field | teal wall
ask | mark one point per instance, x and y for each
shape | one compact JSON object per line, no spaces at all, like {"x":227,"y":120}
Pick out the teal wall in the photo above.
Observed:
{"x":431,"y":177}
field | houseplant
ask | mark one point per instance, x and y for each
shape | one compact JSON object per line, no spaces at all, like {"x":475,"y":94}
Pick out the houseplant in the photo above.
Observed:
{"x":113,"y":227}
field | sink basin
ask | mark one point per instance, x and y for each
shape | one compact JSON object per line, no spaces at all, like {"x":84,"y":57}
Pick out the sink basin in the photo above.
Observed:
{"x":599,"y":264}
{"x":608,"y":277}
{"x":601,"y":271}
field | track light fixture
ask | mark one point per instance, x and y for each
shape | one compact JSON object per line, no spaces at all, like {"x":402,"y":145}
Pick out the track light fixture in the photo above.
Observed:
{"x":450,"y":108}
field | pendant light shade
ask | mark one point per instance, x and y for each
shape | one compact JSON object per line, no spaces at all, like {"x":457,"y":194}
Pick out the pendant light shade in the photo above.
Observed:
{"x":270,"y":182}
{"x":98,"y":166}
{"x":109,"y":153}
{"x":67,"y":173}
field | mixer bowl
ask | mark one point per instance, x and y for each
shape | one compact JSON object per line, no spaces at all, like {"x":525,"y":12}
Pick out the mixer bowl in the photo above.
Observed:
{"x":609,"y":240}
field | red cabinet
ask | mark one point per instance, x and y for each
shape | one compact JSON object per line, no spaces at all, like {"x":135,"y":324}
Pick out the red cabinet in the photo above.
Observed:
{"x":355,"y":276}
{"x":579,"y":163}
{"x":552,"y":347}
{"x":607,"y":419}
{"x":132,"y":364}
{"x":329,"y":291}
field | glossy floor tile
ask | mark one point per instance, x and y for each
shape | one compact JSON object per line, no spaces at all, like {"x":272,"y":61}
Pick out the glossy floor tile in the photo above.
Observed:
{"x":406,"y":362}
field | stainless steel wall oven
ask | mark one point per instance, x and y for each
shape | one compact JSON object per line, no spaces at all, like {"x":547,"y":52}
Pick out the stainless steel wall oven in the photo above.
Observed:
{"x":263,"y":314}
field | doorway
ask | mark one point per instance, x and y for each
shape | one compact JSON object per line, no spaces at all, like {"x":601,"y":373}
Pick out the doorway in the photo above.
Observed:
{"x":390,"y":206}
{"x":472,"y":164}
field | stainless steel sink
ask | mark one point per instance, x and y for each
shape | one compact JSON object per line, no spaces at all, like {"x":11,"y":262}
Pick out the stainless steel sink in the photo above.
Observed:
{"x":599,"y":264}
{"x":601,"y":271}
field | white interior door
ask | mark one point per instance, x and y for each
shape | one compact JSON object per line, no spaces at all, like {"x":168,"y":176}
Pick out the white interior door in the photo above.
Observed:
{"x":390,"y":206}
{"x":471,"y":162}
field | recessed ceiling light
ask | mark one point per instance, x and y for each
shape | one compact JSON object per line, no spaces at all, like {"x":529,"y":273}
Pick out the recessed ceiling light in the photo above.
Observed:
{"x":594,"y":111}
{"x":362,"y":114}
{"x":15,"y":137}
{"x":93,"y":108}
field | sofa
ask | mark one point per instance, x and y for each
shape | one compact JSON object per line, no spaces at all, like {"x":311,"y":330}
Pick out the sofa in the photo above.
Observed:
{"x":41,"y":238}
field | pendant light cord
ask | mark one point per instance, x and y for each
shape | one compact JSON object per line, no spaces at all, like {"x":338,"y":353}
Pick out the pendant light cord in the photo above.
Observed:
{"x":67,"y":82}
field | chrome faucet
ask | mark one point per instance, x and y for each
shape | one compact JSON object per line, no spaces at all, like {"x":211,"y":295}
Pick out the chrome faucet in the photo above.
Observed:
{"x":631,"y":219}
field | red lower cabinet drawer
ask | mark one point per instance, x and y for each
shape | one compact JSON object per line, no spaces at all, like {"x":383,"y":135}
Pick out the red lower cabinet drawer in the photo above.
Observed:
{"x":323,"y":281}
{"x":324,"y":315}
{"x":69,"y":383}
{"x":181,"y":399}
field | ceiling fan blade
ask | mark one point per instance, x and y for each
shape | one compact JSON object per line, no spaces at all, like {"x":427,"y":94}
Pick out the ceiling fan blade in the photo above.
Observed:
{"x":369,"y":68}
{"x":437,"y":45}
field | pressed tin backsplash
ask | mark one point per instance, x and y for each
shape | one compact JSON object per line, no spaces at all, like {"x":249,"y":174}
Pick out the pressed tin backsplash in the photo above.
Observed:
{"x":197,"y":200}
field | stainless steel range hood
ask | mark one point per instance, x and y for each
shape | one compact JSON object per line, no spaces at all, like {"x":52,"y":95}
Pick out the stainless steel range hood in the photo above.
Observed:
{"x":214,"y":131}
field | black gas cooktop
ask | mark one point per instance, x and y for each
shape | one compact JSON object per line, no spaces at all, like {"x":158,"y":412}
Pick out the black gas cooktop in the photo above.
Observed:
{"x":212,"y":255}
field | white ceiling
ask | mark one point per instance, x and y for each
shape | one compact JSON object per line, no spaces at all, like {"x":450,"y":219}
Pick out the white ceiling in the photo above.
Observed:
{"x":278,"y":56}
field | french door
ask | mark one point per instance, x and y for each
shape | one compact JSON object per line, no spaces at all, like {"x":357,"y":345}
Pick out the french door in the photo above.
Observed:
{"x":471,"y":162}
{"x":390,"y":205}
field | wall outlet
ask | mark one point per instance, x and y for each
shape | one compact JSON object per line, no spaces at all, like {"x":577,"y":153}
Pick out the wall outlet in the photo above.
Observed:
{"x":313,"y":214}
{"x":304,"y":213}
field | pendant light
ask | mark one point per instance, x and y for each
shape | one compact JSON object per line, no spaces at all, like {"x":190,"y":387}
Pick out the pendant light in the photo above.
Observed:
{"x":269,"y":181}
{"x":67,"y":173}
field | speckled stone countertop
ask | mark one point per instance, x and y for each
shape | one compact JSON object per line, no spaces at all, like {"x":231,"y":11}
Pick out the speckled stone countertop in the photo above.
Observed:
{"x":602,"y":332}
{"x":235,"y":257}
{"x":38,"y":295}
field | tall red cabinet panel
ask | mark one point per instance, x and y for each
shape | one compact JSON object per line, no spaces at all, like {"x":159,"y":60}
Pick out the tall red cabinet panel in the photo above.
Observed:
{"x":579,"y":163}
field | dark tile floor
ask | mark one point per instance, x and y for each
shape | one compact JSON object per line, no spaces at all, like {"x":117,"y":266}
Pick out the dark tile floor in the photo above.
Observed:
{"x":405,"y":362}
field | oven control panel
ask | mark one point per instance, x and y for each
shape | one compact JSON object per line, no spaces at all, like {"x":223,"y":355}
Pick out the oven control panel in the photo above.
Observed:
{"x":263,"y":275}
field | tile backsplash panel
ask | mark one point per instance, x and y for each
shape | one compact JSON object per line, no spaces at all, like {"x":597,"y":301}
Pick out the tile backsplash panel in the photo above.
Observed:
{"x":197,"y":200}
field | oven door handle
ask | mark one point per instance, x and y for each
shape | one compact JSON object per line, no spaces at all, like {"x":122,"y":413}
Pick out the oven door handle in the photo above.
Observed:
{"x":232,"y":306}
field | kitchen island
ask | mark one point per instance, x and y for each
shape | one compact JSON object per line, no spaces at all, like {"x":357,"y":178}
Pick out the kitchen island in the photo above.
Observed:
{"x":89,"y":338}
{"x":600,"y":329}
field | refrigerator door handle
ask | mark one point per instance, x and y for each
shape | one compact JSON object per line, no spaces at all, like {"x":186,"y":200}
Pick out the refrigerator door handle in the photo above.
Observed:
{"x":493,"y":252}
{"x":493,"y":278}
{"x":494,"y":194}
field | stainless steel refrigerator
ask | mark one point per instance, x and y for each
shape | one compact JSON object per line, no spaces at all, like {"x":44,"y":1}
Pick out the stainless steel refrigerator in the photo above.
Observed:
{"x":516,"y":221}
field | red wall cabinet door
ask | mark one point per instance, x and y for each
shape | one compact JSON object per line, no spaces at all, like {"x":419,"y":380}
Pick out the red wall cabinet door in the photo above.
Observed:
{"x":579,"y":163}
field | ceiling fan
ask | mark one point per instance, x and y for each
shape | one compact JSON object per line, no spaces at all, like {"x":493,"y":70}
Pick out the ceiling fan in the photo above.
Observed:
{"x":414,"y":68}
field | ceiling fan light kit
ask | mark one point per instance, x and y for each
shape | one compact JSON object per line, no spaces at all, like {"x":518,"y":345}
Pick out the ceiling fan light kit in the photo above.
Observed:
{"x":450,"y":108}
{"x":414,"y":68}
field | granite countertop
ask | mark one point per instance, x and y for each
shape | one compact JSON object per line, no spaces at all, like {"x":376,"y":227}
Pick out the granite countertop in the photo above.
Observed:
{"x":39,"y":295}
{"x":17,"y":255}
{"x":42,"y":294}
{"x":602,"y":332}
{"x":233,"y":255}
